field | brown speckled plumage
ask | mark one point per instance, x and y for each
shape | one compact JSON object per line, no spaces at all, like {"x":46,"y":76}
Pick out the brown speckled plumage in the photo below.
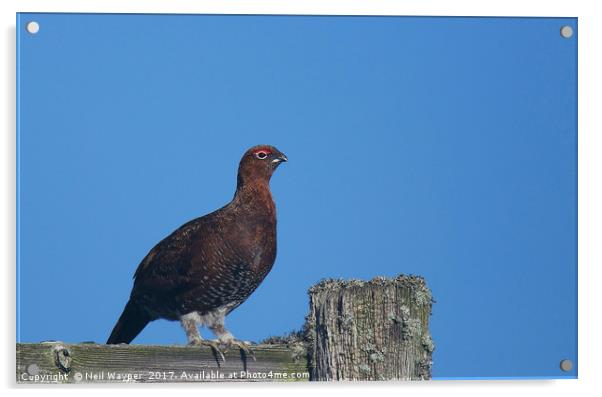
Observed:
{"x":212,"y":264}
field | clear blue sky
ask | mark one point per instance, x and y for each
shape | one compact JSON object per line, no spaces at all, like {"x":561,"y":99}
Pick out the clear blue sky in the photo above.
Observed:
{"x":444,"y":147}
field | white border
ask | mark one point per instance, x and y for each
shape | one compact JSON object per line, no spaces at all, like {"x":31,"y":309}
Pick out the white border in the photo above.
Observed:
{"x":325,"y":7}
{"x":590,"y":178}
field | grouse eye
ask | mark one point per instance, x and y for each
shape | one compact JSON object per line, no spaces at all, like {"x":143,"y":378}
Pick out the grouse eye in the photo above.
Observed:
{"x":261,"y":155}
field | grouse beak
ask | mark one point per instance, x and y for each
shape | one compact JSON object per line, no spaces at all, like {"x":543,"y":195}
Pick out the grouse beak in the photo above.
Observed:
{"x":280,"y":159}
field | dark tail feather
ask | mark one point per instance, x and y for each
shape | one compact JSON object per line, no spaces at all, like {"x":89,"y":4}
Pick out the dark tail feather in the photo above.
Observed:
{"x":132,"y":321}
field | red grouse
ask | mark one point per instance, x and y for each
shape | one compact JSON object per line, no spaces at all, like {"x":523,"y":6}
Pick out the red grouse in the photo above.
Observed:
{"x":212,"y":264}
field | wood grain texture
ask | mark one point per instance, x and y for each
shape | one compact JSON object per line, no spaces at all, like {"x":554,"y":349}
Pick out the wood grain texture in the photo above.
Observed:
{"x":355,"y":330}
{"x":58,"y":362}
{"x":370,"y":330}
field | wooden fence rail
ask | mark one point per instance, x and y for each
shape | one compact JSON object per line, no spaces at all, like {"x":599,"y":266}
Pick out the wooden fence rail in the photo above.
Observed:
{"x":355,"y":330}
{"x":56,"y":362}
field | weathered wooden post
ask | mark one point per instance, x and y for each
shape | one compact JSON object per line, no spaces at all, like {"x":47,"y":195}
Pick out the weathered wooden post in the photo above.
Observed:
{"x":355,"y":330}
{"x":370,"y":330}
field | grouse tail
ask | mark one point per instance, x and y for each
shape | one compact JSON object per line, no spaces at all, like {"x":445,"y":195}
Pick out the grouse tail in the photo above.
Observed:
{"x":133,"y":320}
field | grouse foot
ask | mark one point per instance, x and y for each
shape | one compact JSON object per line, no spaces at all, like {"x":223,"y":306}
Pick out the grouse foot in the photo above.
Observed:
{"x":243,"y":346}
{"x":211,"y":343}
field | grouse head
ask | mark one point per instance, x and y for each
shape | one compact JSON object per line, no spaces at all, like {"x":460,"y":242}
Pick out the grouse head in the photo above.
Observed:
{"x":258,"y":164}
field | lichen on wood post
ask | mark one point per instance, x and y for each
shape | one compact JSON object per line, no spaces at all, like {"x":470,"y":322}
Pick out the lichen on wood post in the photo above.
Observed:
{"x":370,"y":330}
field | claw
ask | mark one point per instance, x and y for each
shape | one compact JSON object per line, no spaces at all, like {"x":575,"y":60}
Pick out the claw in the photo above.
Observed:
{"x":211,"y":343}
{"x":244,"y":346}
